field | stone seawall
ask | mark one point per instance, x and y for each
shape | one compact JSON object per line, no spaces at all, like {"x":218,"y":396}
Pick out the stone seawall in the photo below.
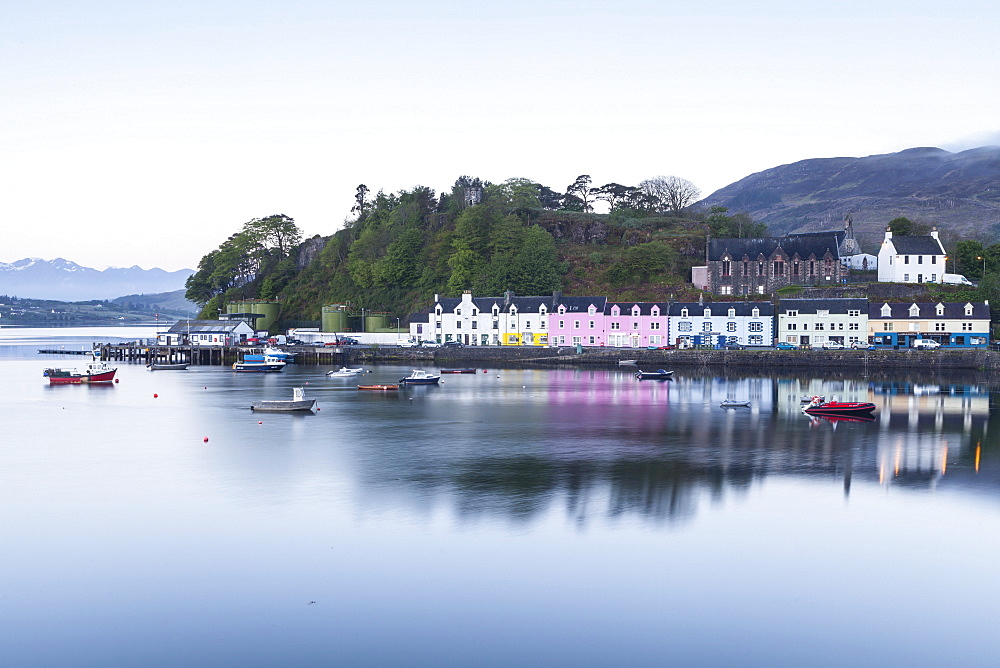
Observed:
{"x":756,"y":360}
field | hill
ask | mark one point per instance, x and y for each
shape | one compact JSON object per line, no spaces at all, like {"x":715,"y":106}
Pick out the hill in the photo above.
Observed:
{"x":62,"y":280}
{"x":959,"y":192}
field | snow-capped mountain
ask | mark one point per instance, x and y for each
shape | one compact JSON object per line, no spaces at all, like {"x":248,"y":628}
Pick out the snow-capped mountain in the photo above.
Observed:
{"x":63,"y":280}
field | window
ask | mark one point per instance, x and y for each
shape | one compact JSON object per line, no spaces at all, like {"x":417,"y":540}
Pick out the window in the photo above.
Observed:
{"x":755,"y":313}
{"x":458,"y":311}
{"x":684,"y":313}
{"x":475,"y":312}
{"x":822,"y":313}
{"x":887,"y":326}
{"x":541,"y":325}
{"x":592,"y":310}
{"x":851,"y":313}
{"x":966,"y":326}
{"x":886,"y":311}
{"x":635,"y":325}
{"x":562,"y":324}
{"x":577,"y":340}
{"x":496,"y":324}
{"x":706,"y":326}
{"x":732,"y":313}
{"x":755,"y":327}
{"x":906,"y":259}
{"x":939,"y":310}
{"x":654,"y":340}
{"x":590,"y":340}
{"x":475,"y":324}
{"x":458,"y":324}
{"x":755,"y":340}
{"x":914,"y":311}
{"x":635,"y":312}
{"x":938,"y":326}
{"x":562,"y":310}
{"x":819,"y":327}
{"x":791,"y":313}
{"x":708,"y":313}
{"x":654,"y":325}
{"x":760,"y":289}
{"x":853,"y":326}
{"x":730,"y":326}
{"x":779,"y":268}
{"x":725,"y":289}
{"x":792,"y":326}
{"x":616,"y":325}
{"x":590,"y":324}
{"x":920,"y":259}
{"x":727,"y":269}
{"x":562,"y":340}
{"x":684,"y":327}
{"x":933,"y":278}
{"x":576,"y":324}
{"x":968,"y":310}
{"x":933,"y":259}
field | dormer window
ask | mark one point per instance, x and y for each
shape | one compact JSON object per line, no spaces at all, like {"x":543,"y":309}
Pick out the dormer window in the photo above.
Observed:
{"x":755,"y":313}
{"x":592,"y":310}
{"x":513,"y":310}
{"x":708,"y":313}
{"x":914,"y":311}
{"x":792,"y":313}
{"x":684,"y":313}
{"x":732,"y":313}
{"x":496,"y":310}
{"x":939,"y":310}
{"x":437,"y":311}
{"x":655,"y":312}
{"x":615,"y":312}
{"x":968,"y":309}
{"x":822,"y":313}
{"x":635,"y":311}
{"x":562,"y":310}
{"x":886,"y":311}
{"x":542,"y":310}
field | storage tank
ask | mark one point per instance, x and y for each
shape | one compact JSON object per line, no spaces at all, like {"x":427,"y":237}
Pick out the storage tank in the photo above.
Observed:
{"x":376,"y":323}
{"x":266,"y":308}
{"x":334,"y":318}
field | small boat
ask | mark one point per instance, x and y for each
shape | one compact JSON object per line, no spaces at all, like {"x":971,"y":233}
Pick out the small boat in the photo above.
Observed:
{"x":735,"y":403}
{"x":806,"y":399}
{"x":298,"y":402}
{"x":659,"y":374}
{"x":384,"y":388}
{"x":459,"y":370}
{"x":345,"y":372}
{"x":164,"y":366}
{"x":420,"y":377}
{"x":258,"y":366}
{"x":841,"y":408}
{"x":96,"y":372}
{"x":278,"y":354}
{"x":626,"y":362}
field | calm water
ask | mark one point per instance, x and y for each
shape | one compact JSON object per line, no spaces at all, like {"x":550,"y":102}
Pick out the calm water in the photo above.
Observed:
{"x":540,"y":517}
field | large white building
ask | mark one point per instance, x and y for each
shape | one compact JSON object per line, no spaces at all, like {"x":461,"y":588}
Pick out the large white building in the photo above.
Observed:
{"x":747,"y":323}
{"x":904,"y":259}
{"x":811,"y":322}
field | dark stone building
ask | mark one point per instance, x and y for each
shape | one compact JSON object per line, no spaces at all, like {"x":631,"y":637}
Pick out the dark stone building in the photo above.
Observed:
{"x":761,"y":266}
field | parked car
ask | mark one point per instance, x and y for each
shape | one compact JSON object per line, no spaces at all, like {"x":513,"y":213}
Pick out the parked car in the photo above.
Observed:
{"x":784,"y":345}
{"x":430,"y":344}
{"x":862,"y":345}
{"x":926,"y":344}
{"x":347,"y":341}
{"x":832,"y":345}
{"x":453,"y":344}
{"x":732,"y":346}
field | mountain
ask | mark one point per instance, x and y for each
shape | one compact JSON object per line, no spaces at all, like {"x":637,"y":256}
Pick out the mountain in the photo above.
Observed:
{"x":67,"y":281}
{"x":957,"y":192}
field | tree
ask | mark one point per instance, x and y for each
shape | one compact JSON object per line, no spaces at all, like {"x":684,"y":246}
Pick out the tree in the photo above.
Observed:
{"x":616,"y":195}
{"x":672,"y":193}
{"x":738,"y":226}
{"x":361,"y":202}
{"x":904,"y":227}
{"x":580,"y":188}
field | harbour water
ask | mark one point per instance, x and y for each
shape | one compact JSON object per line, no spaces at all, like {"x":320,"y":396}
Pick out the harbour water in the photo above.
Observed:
{"x":512,"y":517}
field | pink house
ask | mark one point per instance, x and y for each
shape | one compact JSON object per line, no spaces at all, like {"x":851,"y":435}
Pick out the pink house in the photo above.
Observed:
{"x":577,"y":321}
{"x":636,"y":324}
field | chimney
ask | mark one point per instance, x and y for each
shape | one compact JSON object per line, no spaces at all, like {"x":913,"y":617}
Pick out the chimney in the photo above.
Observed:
{"x":934,"y":232}
{"x":437,"y":298}
{"x":888,"y":233}
{"x":556,"y":298}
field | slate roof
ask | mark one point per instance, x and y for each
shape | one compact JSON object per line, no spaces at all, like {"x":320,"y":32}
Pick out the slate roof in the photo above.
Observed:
{"x":952,"y":311}
{"x":837,"y":306}
{"x":527,"y":304}
{"x":803,"y":245}
{"x":645,"y":308}
{"x":917,"y":246}
{"x":205,"y":326}
{"x":722,"y":308}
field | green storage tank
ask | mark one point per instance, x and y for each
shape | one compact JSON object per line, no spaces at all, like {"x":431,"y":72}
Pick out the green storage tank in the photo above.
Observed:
{"x":376,"y":323}
{"x":266,"y":308}
{"x":334,"y":318}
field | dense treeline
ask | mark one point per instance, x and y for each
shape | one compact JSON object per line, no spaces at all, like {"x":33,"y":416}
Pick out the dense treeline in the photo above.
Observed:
{"x":518,"y":235}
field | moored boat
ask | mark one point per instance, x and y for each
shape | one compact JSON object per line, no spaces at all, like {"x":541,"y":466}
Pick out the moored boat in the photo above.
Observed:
{"x":298,"y":402}
{"x":659,"y":374}
{"x":735,"y":403}
{"x":96,"y":372}
{"x":164,"y":366}
{"x":459,"y":370}
{"x":345,"y":372}
{"x":841,"y":408}
{"x":384,"y":388}
{"x":258,"y":366}
{"x":420,"y":377}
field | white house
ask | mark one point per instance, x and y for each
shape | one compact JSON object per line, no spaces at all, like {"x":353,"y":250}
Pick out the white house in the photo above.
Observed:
{"x":811,"y":322}
{"x":206,"y":333}
{"x":905,"y":259}
{"x":748,"y":323}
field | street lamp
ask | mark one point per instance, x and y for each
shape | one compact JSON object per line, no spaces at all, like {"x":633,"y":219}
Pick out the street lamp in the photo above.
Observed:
{"x":397,"y":328}
{"x":980,"y":257}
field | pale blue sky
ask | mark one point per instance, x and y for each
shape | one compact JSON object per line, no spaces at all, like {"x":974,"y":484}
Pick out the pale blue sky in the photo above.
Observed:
{"x":142,"y":133}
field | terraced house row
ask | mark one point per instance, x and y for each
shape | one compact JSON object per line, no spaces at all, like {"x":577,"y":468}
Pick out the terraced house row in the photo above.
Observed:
{"x":562,"y":320}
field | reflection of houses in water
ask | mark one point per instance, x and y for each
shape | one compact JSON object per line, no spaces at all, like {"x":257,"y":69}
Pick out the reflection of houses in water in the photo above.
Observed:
{"x":924,"y":426}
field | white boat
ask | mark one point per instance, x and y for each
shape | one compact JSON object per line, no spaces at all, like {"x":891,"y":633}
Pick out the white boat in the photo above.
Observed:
{"x":298,"y":402}
{"x":345,"y":372}
{"x":734,"y":403}
{"x":626,"y":362}
{"x":808,"y":399}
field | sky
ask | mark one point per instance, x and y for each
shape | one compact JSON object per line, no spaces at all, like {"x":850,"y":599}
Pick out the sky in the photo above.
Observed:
{"x":136,"y":133}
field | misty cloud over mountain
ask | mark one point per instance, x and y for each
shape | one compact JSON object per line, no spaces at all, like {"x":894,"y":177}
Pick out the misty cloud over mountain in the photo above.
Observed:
{"x":63,"y":280}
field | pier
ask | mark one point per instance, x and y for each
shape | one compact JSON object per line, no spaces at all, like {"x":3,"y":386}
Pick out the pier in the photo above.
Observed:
{"x":139,"y":353}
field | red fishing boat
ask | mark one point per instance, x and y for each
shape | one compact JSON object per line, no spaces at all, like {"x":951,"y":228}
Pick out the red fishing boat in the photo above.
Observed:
{"x":96,"y":372}
{"x":855,"y":409}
